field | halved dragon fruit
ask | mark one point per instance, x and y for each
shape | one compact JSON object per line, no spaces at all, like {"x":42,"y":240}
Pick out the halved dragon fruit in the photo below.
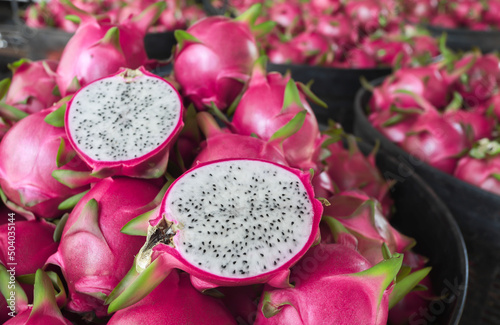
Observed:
{"x":175,"y":302}
{"x":93,"y":254}
{"x":124,"y":124}
{"x":227,"y":223}
{"x":327,"y":281}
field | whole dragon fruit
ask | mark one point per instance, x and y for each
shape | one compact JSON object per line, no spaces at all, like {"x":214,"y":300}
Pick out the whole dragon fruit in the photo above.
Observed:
{"x":93,"y":254}
{"x":324,"y":293}
{"x":435,"y":140}
{"x":45,"y":309}
{"x":482,"y":166}
{"x":227,"y":223}
{"x":180,"y":304}
{"x":273,"y":103}
{"x":224,"y":145}
{"x":25,"y":95}
{"x":30,"y":153}
{"x":214,"y":59}
{"x":349,"y":169}
{"x":100,"y":48}
{"x":362,"y":216}
{"x":121,"y":106}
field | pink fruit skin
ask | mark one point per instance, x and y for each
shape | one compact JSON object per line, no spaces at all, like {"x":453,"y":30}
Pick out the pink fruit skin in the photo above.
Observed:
{"x":27,"y":159}
{"x":175,"y":302}
{"x":25,"y":318}
{"x":32,"y":97}
{"x":365,"y":14}
{"x":215,"y":69}
{"x":436,"y":141}
{"x":327,"y":293}
{"x":483,"y":78}
{"x":480,"y":172}
{"x":326,"y":6}
{"x":444,"y":20}
{"x":427,"y":82}
{"x":418,"y":10}
{"x":285,"y":53}
{"x":397,"y":132}
{"x":227,"y":145}
{"x":33,"y":248}
{"x":357,"y":58}
{"x":313,"y":47}
{"x":87,"y":58}
{"x":349,"y":169}
{"x":93,"y":254}
{"x":338,"y":28}
{"x":480,"y":125}
{"x":492,"y":14}
{"x":400,"y":313}
{"x":169,"y":258}
{"x":137,"y":167}
{"x":34,"y":245}
{"x":260,"y":112}
{"x":368,"y":225}
{"x":286,"y":14}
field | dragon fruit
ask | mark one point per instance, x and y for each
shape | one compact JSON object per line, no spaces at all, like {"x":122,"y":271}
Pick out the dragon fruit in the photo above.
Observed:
{"x":100,"y":48}
{"x":45,"y":309}
{"x":326,"y":6}
{"x":482,"y":166}
{"x":444,"y":20}
{"x":366,"y":13}
{"x":272,"y":103}
{"x":26,"y":96}
{"x":214,"y":59}
{"x":425,"y":82}
{"x":362,"y":216}
{"x":224,"y":145}
{"x":418,"y":10}
{"x":30,"y":153}
{"x":481,"y":79}
{"x":118,"y":107}
{"x":393,"y":125}
{"x":349,"y":169}
{"x":474,"y":122}
{"x":179,"y":303}
{"x":466,"y":11}
{"x":435,"y":140}
{"x":357,"y":58}
{"x":328,"y":279}
{"x":267,"y":220}
{"x":93,"y":254}
{"x":287,"y":15}
{"x":280,"y":52}
{"x":33,"y":248}
{"x":341,"y":32}
{"x":315,"y":47}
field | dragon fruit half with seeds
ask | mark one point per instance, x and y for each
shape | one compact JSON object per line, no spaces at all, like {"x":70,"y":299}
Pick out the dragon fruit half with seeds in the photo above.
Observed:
{"x":230,"y":222}
{"x":93,"y":254}
{"x":124,"y":124}
{"x":214,"y":59}
{"x":31,"y":152}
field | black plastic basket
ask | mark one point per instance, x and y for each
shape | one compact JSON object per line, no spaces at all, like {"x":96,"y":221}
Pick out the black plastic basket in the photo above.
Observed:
{"x":466,"y":39}
{"x":476,"y":211}
{"x":337,"y":87}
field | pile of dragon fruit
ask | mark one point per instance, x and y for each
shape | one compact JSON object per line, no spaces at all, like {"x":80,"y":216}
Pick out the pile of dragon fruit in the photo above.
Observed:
{"x":206,"y":197}
{"x":447,"y":114}
{"x":341,"y":34}
{"x":178,"y":14}
{"x":470,"y":14}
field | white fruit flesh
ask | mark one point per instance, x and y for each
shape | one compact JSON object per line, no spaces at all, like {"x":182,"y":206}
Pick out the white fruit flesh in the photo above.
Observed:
{"x":116,"y":119}
{"x":239,"y":218}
